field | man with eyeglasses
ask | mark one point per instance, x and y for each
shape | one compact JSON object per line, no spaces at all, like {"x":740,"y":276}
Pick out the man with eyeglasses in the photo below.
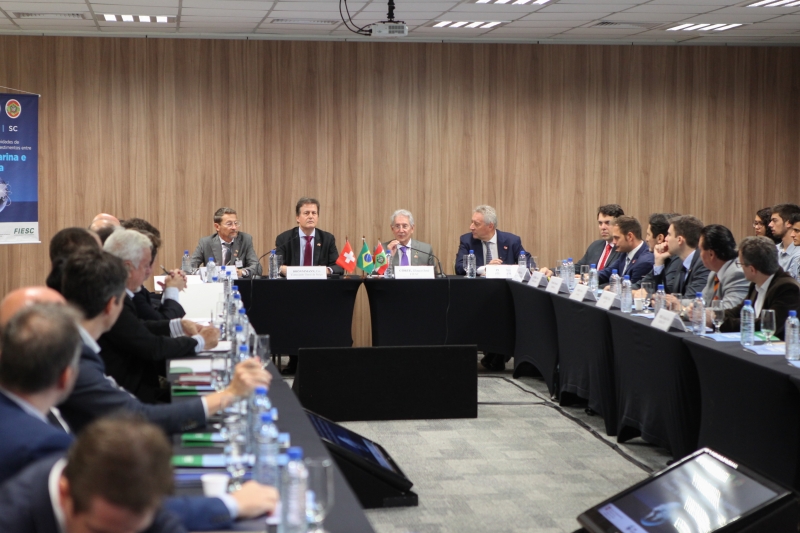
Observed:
{"x":228,"y":246}
{"x":406,"y":252}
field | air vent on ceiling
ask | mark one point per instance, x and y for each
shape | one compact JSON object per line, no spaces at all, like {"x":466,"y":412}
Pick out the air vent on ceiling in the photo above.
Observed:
{"x":625,"y":25}
{"x":305,"y":21}
{"x":78,"y":16}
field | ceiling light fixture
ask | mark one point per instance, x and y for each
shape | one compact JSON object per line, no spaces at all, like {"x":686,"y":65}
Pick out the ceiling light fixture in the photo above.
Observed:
{"x":518,"y":2}
{"x":467,"y":24}
{"x":775,"y":3}
{"x":160,"y":19}
{"x":703,"y":27}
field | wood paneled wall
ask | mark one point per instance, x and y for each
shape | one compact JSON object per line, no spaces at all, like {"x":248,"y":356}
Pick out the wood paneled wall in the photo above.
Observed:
{"x":171,"y":129}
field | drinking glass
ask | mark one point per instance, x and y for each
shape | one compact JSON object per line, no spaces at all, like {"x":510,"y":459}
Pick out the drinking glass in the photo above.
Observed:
{"x":585,"y":274}
{"x":674,"y":301}
{"x":220,"y":372}
{"x":649,"y":290}
{"x":234,"y":431}
{"x":719,"y":314}
{"x":534,"y":266}
{"x":261,"y":349}
{"x":768,"y":325}
{"x":319,"y":497}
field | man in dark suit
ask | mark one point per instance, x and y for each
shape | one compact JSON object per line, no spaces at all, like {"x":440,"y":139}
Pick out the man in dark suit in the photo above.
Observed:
{"x":307,"y":245}
{"x":131,"y":348}
{"x":770,"y":286}
{"x":38,"y":368}
{"x":657,"y":229}
{"x":635,"y":260}
{"x":490,"y":245}
{"x":601,"y":252}
{"x":689,"y":275}
{"x":228,"y":246}
{"x":115,"y":478}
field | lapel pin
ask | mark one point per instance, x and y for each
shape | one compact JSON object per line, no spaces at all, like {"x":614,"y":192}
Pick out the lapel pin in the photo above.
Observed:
{"x":505,"y":247}
{"x":319,"y":244}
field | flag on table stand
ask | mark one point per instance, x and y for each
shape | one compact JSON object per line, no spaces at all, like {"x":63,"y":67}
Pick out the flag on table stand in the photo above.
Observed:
{"x":365,"y":259}
{"x":381,"y":263}
{"x":347,"y":259}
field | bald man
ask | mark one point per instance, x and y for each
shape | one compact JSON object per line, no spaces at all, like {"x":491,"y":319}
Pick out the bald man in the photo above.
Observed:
{"x":19,"y":298}
{"x":104,"y":225}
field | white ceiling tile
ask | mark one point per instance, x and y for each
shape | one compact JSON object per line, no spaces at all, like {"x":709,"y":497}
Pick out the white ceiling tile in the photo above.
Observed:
{"x":583,"y":8}
{"x":411,"y":8}
{"x":34,"y":23}
{"x":577,"y":18}
{"x":648,"y":17}
{"x":656,"y":8}
{"x":730,"y":19}
{"x":229,"y":4}
{"x":139,"y":3}
{"x":224,"y":12}
{"x":10,"y":7}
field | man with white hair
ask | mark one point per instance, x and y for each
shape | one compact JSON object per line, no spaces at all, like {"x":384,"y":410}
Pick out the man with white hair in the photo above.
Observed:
{"x":490,"y":245}
{"x":132,"y":347}
{"x":406,"y":252}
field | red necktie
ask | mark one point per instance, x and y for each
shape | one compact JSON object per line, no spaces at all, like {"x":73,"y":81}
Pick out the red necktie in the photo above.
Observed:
{"x":308,"y":254}
{"x":603,"y":258}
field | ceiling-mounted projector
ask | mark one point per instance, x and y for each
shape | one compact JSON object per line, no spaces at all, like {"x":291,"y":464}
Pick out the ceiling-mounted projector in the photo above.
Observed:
{"x":389,"y":29}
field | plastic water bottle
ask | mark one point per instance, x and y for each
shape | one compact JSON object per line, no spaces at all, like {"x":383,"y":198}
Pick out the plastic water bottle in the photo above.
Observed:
{"x":570,"y":274}
{"x":389,"y":272}
{"x":747,"y":324}
{"x":792,"y":337}
{"x":211,"y":269}
{"x":257,"y":404}
{"x":227,"y":281}
{"x":186,"y":263}
{"x":614,"y":282}
{"x":626,"y":297}
{"x":293,"y":494}
{"x":472,"y":269}
{"x":244,"y":351}
{"x":593,"y":281}
{"x":265,"y":470}
{"x":698,"y":315}
{"x":523,"y":265}
{"x":274,"y":271}
{"x":659,"y":299}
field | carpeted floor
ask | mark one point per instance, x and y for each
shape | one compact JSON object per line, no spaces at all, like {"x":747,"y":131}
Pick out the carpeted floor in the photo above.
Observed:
{"x":524,"y":464}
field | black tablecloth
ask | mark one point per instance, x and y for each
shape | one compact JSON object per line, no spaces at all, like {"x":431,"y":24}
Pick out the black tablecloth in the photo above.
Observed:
{"x":658,"y":391}
{"x":751,"y":407}
{"x":441,"y":311}
{"x":536,"y":351}
{"x":586,"y":357}
{"x":301,"y":313}
{"x":346,"y":516}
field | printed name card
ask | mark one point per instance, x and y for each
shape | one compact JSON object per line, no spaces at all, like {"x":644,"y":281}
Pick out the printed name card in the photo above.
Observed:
{"x":500,"y":271}
{"x":579,"y":293}
{"x":306,"y":272}
{"x":525,"y":277}
{"x":606,"y":300}
{"x":664,"y":320}
{"x":413,"y":272}
{"x":536,"y":279}
{"x":554,"y":285}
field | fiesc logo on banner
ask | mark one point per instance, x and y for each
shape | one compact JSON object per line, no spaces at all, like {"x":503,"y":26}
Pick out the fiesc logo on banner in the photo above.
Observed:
{"x":13,"y":108}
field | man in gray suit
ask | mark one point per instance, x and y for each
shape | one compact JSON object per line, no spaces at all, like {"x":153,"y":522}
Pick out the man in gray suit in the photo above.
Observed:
{"x":726,"y":282}
{"x":406,"y":252}
{"x":228,"y":246}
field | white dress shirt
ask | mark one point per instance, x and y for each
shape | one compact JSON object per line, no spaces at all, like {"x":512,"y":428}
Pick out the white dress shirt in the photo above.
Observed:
{"x":761,"y":294}
{"x":176,"y":330}
{"x":630,"y":257}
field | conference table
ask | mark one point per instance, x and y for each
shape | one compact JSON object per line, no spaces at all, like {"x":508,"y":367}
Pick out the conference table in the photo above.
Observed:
{"x":346,"y":515}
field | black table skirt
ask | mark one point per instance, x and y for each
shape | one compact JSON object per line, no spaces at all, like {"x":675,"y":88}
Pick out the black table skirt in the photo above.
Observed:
{"x":751,"y":407}
{"x":451,"y":311}
{"x":586,"y":357}
{"x":658,"y":391}
{"x":536,"y":351}
{"x":346,"y":515}
{"x":301,"y":313}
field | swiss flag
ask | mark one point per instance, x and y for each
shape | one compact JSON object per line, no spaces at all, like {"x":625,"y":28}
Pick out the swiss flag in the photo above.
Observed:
{"x":347,"y":259}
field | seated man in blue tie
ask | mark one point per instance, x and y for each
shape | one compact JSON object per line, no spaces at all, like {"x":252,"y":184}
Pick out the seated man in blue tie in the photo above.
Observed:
{"x":490,"y":245}
{"x":635,"y":258}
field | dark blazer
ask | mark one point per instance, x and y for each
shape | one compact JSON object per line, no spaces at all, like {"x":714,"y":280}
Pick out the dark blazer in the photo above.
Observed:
{"x":666,"y":277}
{"x":593,"y":254}
{"x":131,"y":346}
{"x":150,"y":307}
{"x":96,"y":395}
{"x":25,"y":504}
{"x":695,"y":280}
{"x":287,"y":244}
{"x":641,"y":264}
{"x":242,"y":248}
{"x":25,"y":438}
{"x":509,"y":246}
{"x":783,"y":295}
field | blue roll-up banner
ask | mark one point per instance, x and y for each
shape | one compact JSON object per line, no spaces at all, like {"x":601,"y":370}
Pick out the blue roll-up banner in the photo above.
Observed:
{"x":19,"y":169}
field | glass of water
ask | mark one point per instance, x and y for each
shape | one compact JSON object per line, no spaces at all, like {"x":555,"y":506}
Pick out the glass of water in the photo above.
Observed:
{"x":220,"y":371}
{"x":234,"y":431}
{"x":768,"y":325}
{"x":585,"y":274}
{"x":319,"y":496}
{"x":718,"y":314}
{"x":534,"y":266}
{"x":649,"y":290}
{"x":261,"y":349}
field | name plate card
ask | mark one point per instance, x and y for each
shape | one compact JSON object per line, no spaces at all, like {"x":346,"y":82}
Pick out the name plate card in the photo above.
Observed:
{"x":500,"y":271}
{"x":664,"y":320}
{"x":306,"y":272}
{"x":579,"y":293}
{"x":524,"y":278}
{"x":554,"y":285}
{"x":606,"y":300}
{"x":536,"y":279}
{"x":413,"y":272}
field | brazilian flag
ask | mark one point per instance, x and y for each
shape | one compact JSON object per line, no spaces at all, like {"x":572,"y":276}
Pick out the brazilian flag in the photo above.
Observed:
{"x":365,"y":259}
